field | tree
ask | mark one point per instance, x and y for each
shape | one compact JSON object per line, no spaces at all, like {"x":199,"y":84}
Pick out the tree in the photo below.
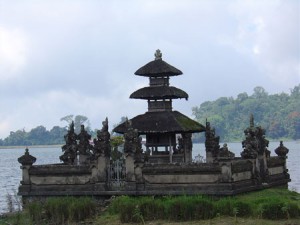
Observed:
{"x":39,"y":136}
{"x":78,"y":121}
{"x":56,"y":134}
{"x":242,"y":96}
{"x":279,"y":114}
{"x":68,"y":119}
{"x":259,"y":92}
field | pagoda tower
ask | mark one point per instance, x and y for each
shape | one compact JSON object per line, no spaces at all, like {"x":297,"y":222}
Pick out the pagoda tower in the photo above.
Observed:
{"x":160,"y":123}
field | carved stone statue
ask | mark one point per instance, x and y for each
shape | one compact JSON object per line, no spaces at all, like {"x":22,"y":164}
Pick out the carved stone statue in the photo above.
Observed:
{"x":225,"y":153}
{"x":102,"y":142}
{"x":70,"y":148}
{"x":211,"y":140}
{"x":131,"y":138}
{"x":84,"y":145}
{"x":255,"y":143}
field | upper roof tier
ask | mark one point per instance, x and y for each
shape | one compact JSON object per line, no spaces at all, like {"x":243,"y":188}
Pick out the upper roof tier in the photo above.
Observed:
{"x":158,"y":68}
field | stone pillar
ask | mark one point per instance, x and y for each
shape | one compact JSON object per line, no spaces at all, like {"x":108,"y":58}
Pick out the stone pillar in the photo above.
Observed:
{"x":100,"y":173}
{"x":26,"y":160}
{"x":140,"y":184}
{"x":188,"y":147}
{"x":130,"y":173}
{"x":25,"y":174}
{"x":209,"y":157}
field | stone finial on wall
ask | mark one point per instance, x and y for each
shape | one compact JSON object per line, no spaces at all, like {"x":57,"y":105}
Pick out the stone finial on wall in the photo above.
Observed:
{"x":26,"y":159}
{"x":281,"y":151}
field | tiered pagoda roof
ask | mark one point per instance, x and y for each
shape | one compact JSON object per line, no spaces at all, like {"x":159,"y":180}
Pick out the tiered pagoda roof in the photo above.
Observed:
{"x":160,"y":117}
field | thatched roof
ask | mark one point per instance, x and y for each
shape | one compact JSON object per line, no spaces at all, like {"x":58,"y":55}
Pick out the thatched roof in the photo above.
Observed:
{"x":162,"y":122}
{"x":158,"y":68}
{"x":159,"y":92}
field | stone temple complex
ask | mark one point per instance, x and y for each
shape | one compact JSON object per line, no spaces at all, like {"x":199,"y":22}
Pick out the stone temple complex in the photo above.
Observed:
{"x":165,"y":165}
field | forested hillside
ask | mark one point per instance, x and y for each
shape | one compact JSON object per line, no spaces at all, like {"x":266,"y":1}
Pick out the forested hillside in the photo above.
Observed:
{"x":41,"y":136}
{"x":279,"y":114}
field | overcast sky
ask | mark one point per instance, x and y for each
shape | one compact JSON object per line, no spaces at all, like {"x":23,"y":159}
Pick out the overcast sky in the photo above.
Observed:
{"x":61,"y":57}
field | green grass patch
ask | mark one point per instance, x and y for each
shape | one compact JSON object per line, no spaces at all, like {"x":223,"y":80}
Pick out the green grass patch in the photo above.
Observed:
{"x":265,"y":207}
{"x":272,"y":204}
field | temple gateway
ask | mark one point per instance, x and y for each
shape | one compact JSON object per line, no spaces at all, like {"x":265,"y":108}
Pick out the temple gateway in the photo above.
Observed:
{"x":164,"y":166}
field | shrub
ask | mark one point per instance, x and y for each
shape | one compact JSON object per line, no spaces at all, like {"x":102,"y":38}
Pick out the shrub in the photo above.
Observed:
{"x":243,"y":208}
{"x":273,"y":210}
{"x":151,"y":209}
{"x":204,"y":209}
{"x":35,"y":211}
{"x":224,"y":207}
{"x":61,"y":210}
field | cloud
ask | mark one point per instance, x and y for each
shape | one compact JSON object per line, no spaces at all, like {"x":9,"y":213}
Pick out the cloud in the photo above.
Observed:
{"x":13,"y":52}
{"x":79,"y":57}
{"x":269,"y":33}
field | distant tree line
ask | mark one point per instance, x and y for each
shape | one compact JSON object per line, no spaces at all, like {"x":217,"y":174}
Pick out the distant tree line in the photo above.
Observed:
{"x":41,"y":136}
{"x":279,"y":114}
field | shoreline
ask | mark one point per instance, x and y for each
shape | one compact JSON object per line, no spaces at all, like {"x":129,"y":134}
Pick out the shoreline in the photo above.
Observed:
{"x":31,"y":146}
{"x":60,"y":145}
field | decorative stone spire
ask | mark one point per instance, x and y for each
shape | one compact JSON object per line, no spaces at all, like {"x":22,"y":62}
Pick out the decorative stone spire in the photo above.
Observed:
{"x":158,"y":54}
{"x":26,"y":159}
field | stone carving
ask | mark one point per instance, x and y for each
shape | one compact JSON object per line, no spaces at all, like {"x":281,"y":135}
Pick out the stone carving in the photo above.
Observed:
{"x":84,"y":146}
{"x":211,"y":140}
{"x":102,"y":142}
{"x":225,"y":153}
{"x":255,"y":143}
{"x":71,"y":147}
{"x":26,"y":159}
{"x":281,"y":151}
{"x":131,"y":138}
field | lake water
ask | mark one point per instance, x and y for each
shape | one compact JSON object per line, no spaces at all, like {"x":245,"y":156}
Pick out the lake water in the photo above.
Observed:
{"x":10,"y":175}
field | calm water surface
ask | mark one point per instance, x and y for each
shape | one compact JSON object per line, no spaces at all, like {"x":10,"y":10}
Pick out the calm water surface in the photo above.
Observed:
{"x":10,"y":175}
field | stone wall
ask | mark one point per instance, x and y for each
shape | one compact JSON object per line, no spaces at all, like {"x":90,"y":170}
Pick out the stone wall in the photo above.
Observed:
{"x":226,"y":177}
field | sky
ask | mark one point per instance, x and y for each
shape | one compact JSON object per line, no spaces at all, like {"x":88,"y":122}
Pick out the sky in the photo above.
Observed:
{"x":62,"y":57}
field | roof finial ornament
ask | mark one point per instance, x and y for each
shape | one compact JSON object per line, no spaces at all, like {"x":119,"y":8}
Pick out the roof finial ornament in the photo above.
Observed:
{"x":158,"y":54}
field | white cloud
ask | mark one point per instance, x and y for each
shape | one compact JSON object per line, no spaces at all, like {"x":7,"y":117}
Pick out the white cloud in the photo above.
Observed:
{"x":269,"y":33}
{"x":79,"y":57}
{"x":13,"y":52}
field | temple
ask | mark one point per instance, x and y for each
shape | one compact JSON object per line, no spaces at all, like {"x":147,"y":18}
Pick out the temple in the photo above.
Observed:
{"x":164,"y":166}
{"x":161,"y":125}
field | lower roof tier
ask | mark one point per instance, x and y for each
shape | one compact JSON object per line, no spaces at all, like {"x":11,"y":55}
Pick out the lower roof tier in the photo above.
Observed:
{"x":162,"y":122}
{"x":159,"y":92}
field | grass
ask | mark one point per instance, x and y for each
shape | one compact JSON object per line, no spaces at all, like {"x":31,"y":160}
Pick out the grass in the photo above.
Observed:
{"x":270,"y":206}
